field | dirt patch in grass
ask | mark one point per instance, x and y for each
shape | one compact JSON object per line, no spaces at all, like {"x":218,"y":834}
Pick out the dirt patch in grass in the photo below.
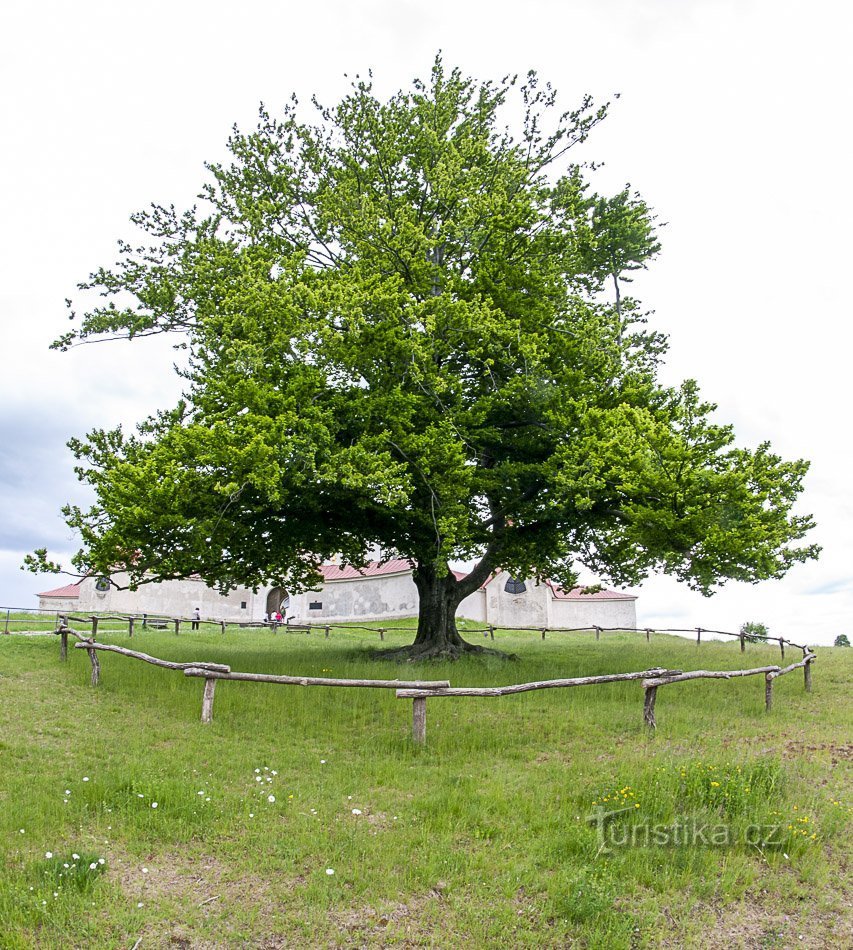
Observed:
{"x":390,"y":923}
{"x":751,"y":924}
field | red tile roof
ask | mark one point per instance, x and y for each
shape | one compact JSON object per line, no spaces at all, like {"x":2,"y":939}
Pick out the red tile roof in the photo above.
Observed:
{"x":335,"y":572}
{"x":70,"y":590}
{"x":577,"y":593}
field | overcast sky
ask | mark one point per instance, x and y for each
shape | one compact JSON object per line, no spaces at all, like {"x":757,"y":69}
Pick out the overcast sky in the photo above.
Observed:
{"x":733,"y":122}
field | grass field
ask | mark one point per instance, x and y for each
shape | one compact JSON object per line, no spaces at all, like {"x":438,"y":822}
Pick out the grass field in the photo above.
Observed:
{"x":733,"y":825}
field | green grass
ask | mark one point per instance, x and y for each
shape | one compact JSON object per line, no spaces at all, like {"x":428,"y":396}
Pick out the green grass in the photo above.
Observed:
{"x":481,"y":838}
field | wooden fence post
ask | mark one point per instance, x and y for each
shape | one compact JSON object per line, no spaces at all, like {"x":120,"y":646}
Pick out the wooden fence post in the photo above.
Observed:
{"x":598,"y":633}
{"x":543,"y":632}
{"x":222,"y":622}
{"x":207,"y":700}
{"x":144,"y":621}
{"x":63,"y":644}
{"x":491,"y":631}
{"x":96,"y":666}
{"x":648,"y":635}
{"x":419,"y":720}
{"x":768,"y":692}
{"x":177,"y":627}
{"x":807,"y":676}
{"x":326,"y":628}
{"x":782,"y":647}
{"x":649,"y":695}
{"x":698,"y":636}
{"x":94,"y":627}
{"x":381,"y":633}
{"x":742,"y":642}
{"x":130,"y":623}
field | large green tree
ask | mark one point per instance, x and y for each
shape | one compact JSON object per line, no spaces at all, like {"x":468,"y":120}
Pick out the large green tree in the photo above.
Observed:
{"x":407,"y":325}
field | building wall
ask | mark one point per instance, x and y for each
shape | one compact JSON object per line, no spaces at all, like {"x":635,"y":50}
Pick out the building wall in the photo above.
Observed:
{"x":59,"y":604}
{"x":593,"y":613}
{"x":172,"y":599}
{"x":529,"y":609}
{"x":474,"y":607}
{"x":372,"y":598}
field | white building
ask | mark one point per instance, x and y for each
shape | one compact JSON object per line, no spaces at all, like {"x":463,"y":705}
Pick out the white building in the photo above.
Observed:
{"x":379,"y":591}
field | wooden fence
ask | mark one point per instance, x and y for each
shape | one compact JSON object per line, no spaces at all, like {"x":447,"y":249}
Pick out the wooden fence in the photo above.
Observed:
{"x":212,"y":672}
{"x":421,"y":690}
{"x":651,"y":680}
{"x":488,"y":631}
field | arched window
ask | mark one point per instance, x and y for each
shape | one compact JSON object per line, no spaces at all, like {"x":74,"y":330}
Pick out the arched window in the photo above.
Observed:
{"x":513,"y":586}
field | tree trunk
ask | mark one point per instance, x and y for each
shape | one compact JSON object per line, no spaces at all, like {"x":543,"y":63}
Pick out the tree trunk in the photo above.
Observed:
{"x":437,"y":636}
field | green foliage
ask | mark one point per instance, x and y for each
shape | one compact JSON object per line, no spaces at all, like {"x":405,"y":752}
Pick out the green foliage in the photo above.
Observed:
{"x":753,"y":631}
{"x":841,"y":640}
{"x":400,"y":332}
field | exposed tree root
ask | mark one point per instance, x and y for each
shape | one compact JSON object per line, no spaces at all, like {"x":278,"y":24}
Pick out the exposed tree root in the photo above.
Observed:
{"x":425,"y":652}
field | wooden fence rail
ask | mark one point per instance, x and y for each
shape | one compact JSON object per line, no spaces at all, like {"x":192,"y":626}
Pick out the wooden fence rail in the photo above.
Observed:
{"x":488,"y":631}
{"x":651,"y":680}
{"x":211,"y":672}
{"x":421,"y":690}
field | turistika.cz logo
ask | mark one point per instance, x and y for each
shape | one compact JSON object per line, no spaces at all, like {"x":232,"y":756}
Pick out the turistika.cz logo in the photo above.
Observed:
{"x":681,"y":833}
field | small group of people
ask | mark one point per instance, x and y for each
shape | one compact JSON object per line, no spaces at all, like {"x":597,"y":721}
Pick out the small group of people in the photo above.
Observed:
{"x":275,"y":617}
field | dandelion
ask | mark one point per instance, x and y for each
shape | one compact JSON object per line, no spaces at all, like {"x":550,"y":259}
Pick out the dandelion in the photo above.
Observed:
{"x":330,"y":871}
{"x":251,"y":814}
{"x":271,"y":799}
{"x":101,"y":861}
{"x":48,"y":855}
{"x":199,"y":793}
{"x":356,"y":811}
{"x":67,"y":791}
{"x":93,"y":866}
{"x":153,"y":804}
{"x":139,"y":904}
{"x":85,"y":778}
{"x":322,"y":761}
{"x":145,"y":870}
{"x":23,"y":832}
{"x":258,"y":778}
{"x":274,"y":772}
{"x":75,"y":857}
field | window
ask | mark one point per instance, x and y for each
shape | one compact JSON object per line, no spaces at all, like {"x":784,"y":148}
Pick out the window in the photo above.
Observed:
{"x":315,"y":605}
{"x":513,"y":586}
{"x":242,"y":605}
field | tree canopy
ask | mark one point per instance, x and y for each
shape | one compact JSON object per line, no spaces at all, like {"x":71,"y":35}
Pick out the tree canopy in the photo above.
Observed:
{"x":407,"y":325}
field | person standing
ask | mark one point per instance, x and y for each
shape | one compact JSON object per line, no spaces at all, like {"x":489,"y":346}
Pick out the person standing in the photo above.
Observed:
{"x":196,"y":618}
